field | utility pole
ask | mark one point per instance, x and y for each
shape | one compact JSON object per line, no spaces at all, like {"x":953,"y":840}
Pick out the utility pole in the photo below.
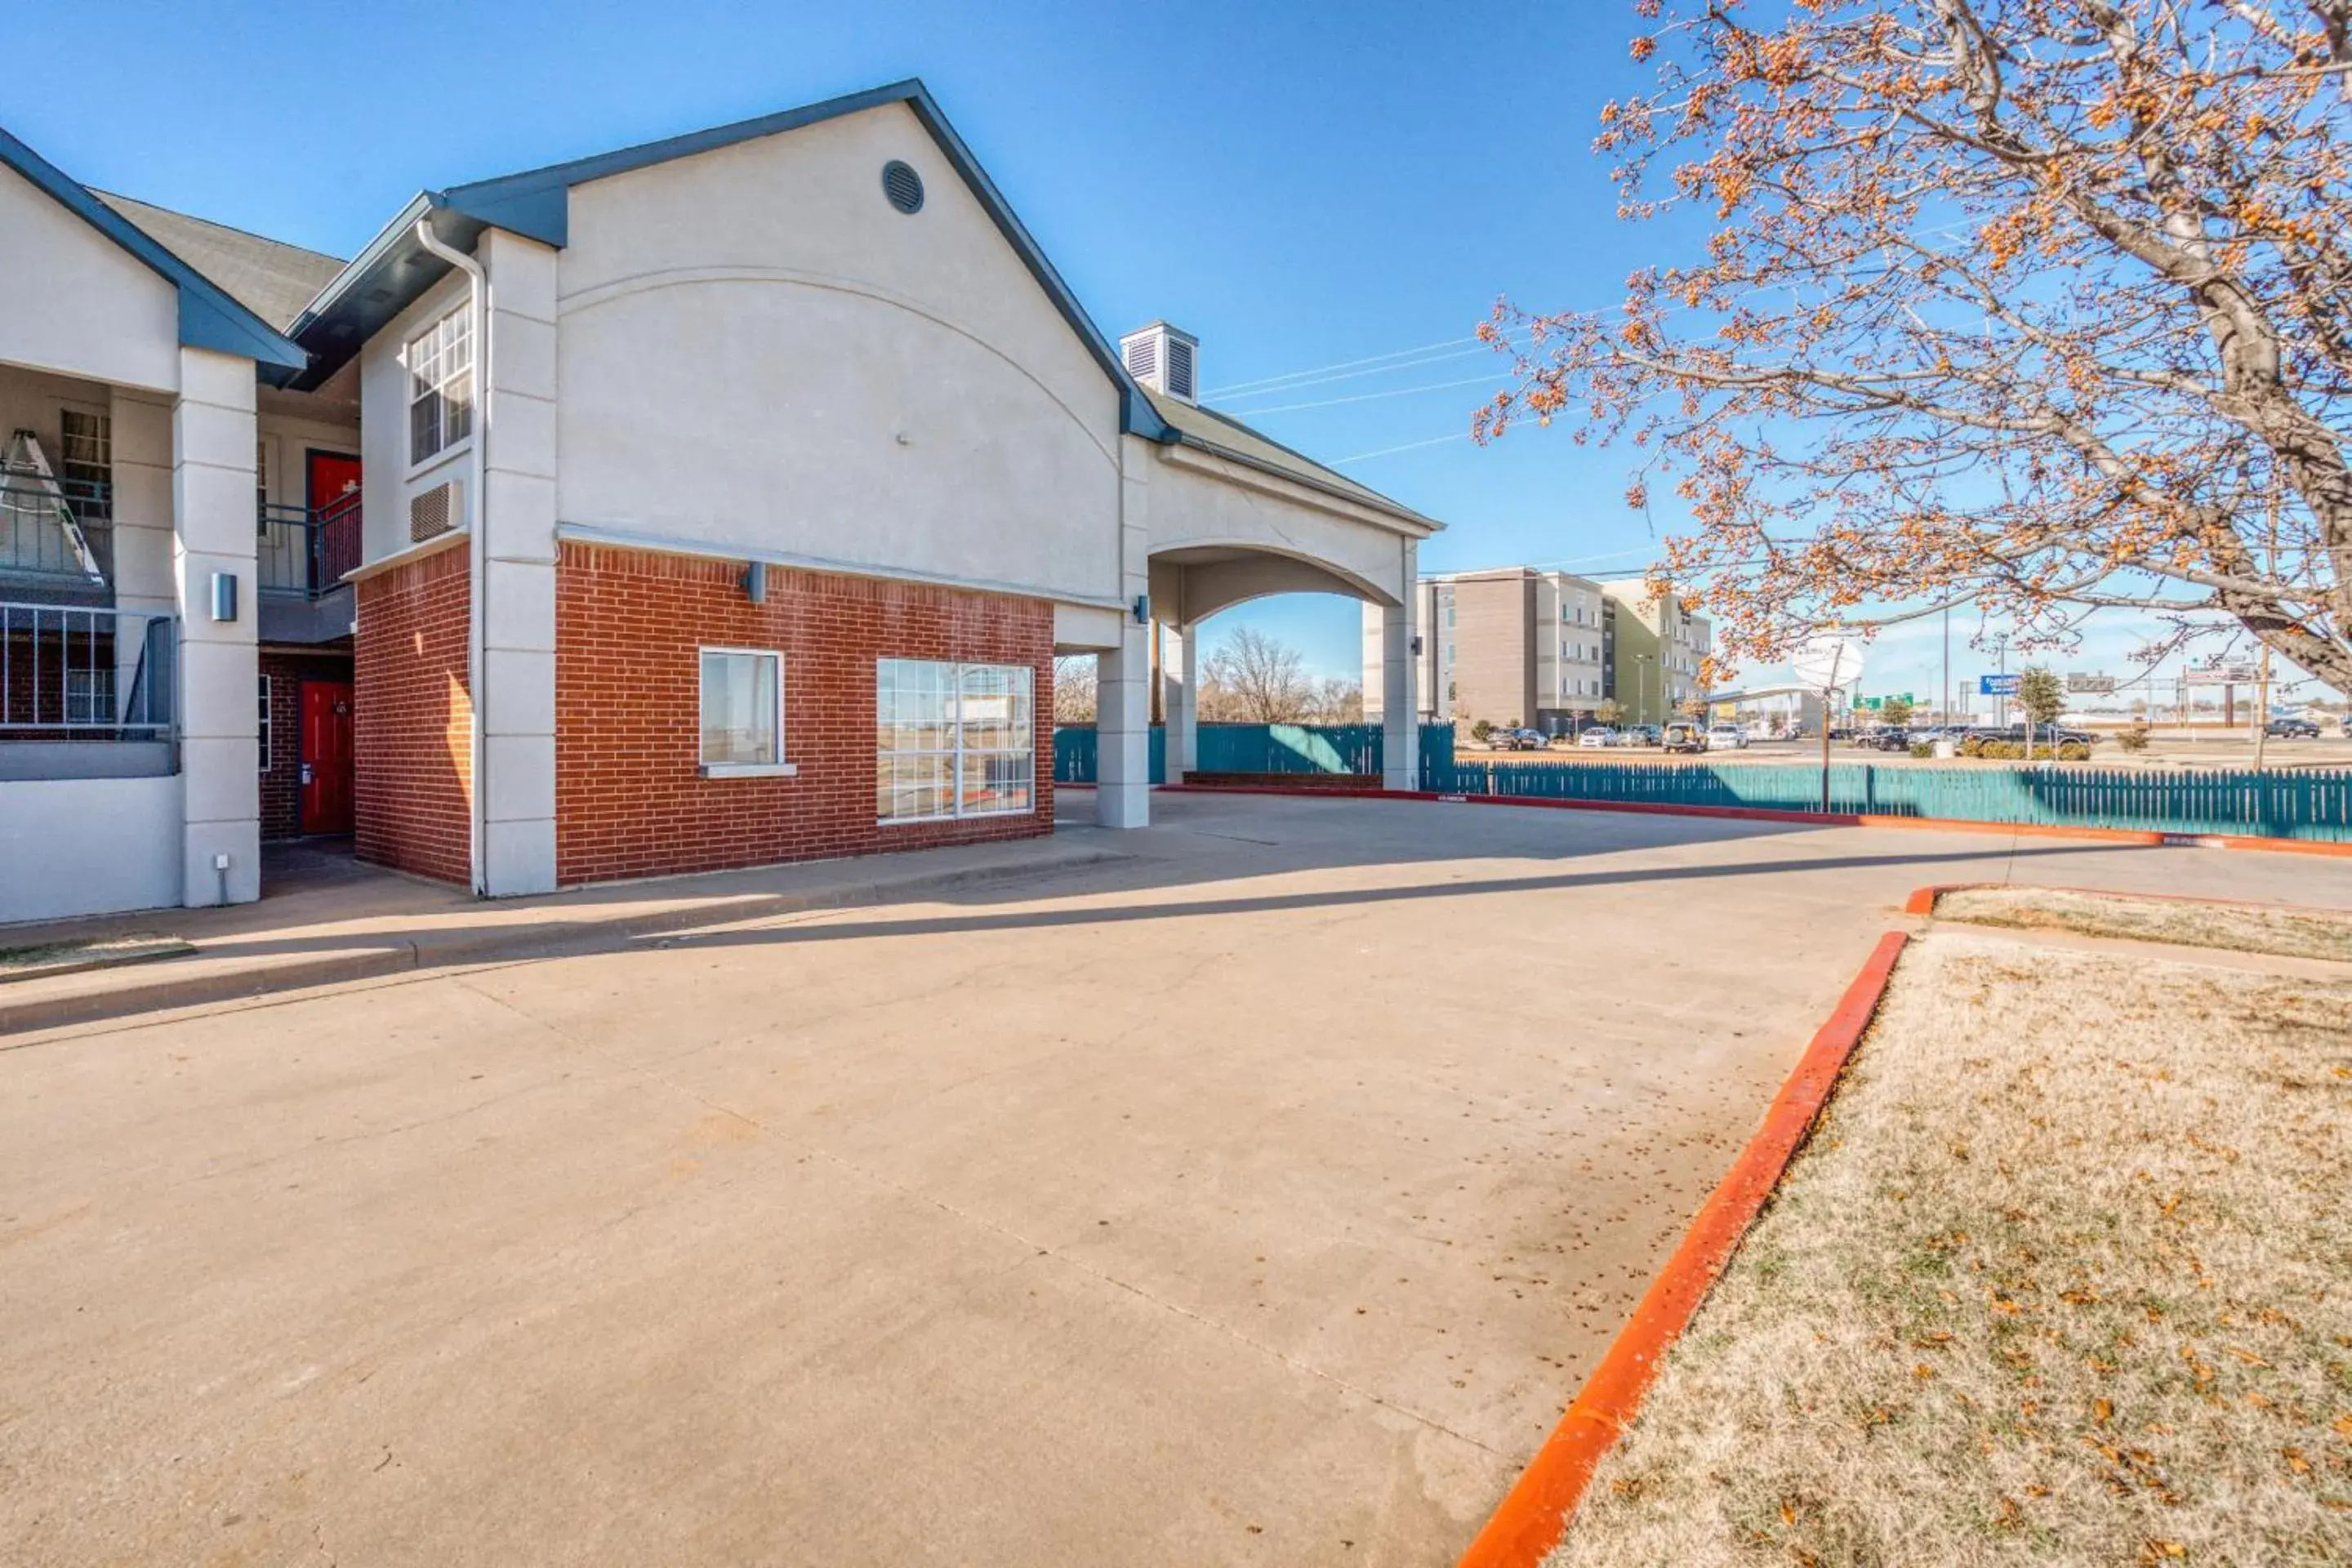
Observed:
{"x":1943,"y":707}
{"x":2263,"y":684}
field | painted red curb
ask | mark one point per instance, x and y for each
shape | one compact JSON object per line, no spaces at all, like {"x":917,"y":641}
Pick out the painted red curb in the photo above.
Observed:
{"x":2146,"y":836}
{"x":1532,"y":1519}
{"x":1923,"y":899}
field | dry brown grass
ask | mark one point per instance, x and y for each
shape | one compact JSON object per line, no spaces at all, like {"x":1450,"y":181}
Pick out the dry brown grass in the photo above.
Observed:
{"x":2064,"y":1278}
{"x":2296,"y":934}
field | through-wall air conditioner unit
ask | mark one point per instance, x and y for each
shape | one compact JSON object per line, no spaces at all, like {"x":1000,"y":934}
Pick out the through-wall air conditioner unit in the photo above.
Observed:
{"x":434,"y":511}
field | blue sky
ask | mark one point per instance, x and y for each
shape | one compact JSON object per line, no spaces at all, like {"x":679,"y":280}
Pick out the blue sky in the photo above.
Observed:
{"x":1301,"y":186}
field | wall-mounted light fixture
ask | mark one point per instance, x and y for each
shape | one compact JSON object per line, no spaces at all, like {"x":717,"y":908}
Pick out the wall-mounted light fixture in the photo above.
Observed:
{"x":1416,"y":644}
{"x":224,"y":596}
{"x":1142,"y":609}
{"x":755,"y":582}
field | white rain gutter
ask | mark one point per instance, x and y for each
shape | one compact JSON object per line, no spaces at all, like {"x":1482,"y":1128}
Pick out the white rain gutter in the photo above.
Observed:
{"x":477,"y":546}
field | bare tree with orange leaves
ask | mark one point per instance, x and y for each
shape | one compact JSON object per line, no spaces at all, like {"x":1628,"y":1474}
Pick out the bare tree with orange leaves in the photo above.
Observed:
{"x":2040,"y":307}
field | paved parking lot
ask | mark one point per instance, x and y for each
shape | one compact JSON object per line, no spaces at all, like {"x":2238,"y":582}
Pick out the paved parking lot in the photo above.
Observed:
{"x":1258,"y":1198}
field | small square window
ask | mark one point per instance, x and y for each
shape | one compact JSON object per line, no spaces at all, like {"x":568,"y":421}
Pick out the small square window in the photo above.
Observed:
{"x":742,"y":714}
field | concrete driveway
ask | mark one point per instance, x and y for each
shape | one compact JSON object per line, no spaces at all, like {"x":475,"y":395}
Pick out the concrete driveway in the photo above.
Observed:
{"x":1260,"y":1197}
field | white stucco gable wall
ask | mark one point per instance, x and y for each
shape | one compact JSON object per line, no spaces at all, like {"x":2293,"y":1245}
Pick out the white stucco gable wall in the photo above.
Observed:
{"x":756,"y":349}
{"x":76,"y":302}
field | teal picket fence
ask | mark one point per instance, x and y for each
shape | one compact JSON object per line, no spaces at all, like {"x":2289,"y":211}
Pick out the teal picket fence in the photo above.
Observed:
{"x":2303,"y":803}
{"x":2316,"y":805}
{"x":1076,"y":750}
{"x":1240,"y":749}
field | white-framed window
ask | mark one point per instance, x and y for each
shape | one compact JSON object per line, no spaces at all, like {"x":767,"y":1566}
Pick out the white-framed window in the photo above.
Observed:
{"x":952,"y":739}
{"x":440,"y":361}
{"x":263,"y":732}
{"x":740,"y":718}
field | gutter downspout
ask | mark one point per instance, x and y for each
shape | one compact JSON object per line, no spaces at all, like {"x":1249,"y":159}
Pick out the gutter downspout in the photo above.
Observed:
{"x":476,"y":548}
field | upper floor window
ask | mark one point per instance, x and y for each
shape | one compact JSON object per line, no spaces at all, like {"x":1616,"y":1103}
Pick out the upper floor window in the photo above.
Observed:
{"x":441,"y":384}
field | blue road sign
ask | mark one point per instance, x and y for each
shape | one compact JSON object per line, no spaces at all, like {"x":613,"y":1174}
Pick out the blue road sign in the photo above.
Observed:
{"x":1998,"y":685}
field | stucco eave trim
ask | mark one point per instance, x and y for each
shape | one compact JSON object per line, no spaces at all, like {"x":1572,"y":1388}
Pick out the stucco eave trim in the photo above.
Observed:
{"x":719,"y":550}
{"x":1191,"y":453}
{"x":399,"y":558}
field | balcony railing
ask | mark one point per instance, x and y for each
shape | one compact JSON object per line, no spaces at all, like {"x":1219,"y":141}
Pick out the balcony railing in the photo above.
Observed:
{"x":56,"y":531}
{"x":69,"y":673}
{"x":304,"y":553}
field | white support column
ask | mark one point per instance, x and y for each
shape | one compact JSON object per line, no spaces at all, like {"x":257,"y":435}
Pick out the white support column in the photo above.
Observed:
{"x":1180,"y":703}
{"x":213,"y":535}
{"x":1400,"y":704}
{"x":517,"y":702}
{"x":1123,"y":676}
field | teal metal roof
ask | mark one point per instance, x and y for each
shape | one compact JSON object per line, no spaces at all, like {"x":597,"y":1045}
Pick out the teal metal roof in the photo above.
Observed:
{"x":210,"y":318}
{"x":394,"y":272}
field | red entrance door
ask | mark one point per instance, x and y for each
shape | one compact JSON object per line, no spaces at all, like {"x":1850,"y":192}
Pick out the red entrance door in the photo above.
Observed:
{"x":326,"y":756}
{"x":331,"y":482}
{"x":333,"y":476}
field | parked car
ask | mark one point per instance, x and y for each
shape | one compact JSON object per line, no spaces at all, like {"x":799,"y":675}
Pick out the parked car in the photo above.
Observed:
{"x":1686,"y":738}
{"x":1596,"y":736}
{"x":1727,"y":736}
{"x":2292,"y":730}
{"x":1886,"y":738}
{"x":1643,"y":735}
{"x":1517,"y":740}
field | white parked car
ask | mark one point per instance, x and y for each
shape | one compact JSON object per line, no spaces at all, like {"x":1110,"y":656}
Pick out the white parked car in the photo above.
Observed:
{"x":1598,"y":736}
{"x":1721,"y":735}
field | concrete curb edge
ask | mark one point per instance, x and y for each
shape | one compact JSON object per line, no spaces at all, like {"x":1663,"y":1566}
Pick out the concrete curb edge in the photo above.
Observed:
{"x":1534,"y":1515}
{"x":1923,"y":901}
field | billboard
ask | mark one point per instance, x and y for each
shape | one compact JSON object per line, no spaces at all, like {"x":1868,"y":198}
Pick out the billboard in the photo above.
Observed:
{"x":2224,"y":674}
{"x":1998,"y":685}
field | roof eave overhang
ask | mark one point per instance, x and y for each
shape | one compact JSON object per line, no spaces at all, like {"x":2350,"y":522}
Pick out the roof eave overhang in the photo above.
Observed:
{"x":208,"y":317}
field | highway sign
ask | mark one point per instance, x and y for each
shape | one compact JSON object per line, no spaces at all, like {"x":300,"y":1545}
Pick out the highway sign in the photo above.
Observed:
{"x":2093,"y":684}
{"x":1998,"y":685}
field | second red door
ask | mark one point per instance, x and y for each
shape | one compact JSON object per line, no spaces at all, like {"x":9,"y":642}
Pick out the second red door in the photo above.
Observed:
{"x":326,"y":756}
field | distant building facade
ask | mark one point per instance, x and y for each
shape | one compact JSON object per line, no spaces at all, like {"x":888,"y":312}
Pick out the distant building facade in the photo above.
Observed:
{"x":1546,"y":650}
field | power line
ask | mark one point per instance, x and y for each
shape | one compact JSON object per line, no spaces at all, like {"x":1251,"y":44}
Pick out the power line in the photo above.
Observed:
{"x":1408,"y":447}
{"x":1270,"y":382}
{"x":1357,"y":374}
{"x":1372,"y":396}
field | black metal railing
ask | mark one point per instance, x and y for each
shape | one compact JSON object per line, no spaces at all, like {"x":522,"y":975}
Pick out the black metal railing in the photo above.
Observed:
{"x":55,"y":530}
{"x":75,"y":673}
{"x":304,"y":553}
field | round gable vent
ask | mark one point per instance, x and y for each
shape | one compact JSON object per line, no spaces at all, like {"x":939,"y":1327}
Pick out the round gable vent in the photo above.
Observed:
{"x":903,"y":186}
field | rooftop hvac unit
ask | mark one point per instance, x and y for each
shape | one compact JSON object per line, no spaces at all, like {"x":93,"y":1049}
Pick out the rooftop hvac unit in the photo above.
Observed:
{"x":1165,"y":359}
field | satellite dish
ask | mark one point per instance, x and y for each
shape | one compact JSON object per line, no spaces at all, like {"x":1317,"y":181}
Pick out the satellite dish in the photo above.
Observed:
{"x":1828,"y":663}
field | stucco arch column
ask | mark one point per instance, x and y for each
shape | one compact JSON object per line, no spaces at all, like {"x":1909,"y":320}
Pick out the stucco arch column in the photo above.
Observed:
{"x":1399,"y":672}
{"x":1180,"y":698}
{"x":1123,"y":675}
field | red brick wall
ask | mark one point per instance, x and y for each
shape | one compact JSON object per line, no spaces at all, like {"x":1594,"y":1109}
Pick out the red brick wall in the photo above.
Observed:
{"x":282,"y":781}
{"x":629,"y":798}
{"x":412,"y":718}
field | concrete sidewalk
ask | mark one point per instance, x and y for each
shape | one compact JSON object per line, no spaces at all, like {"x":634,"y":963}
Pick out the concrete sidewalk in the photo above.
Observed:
{"x":331,"y":919}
